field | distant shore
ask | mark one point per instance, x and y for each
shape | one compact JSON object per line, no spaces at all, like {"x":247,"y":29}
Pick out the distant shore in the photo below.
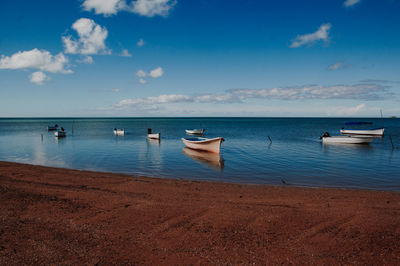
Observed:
{"x":60,"y":216}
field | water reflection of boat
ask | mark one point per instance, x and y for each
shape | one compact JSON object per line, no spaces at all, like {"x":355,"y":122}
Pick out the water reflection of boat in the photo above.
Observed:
{"x":155,"y":142}
{"x":210,"y":159}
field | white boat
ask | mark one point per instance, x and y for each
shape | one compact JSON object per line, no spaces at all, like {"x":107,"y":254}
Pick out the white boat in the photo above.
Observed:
{"x":195,"y":131}
{"x":60,"y":134}
{"x":347,"y":140}
{"x":119,"y":132}
{"x":205,"y":144}
{"x":52,"y":128}
{"x":369,"y":132}
{"x":154,"y":136}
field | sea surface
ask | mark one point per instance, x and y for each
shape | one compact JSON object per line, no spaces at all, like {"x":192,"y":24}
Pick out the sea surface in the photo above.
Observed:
{"x":294,"y":154}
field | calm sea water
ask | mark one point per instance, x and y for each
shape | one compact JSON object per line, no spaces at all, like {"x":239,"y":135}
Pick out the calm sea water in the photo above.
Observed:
{"x":295,"y":154}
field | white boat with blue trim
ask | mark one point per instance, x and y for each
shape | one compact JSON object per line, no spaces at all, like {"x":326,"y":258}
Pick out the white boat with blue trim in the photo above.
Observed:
{"x":370,"y":132}
{"x":328,"y":139}
{"x":199,"y":131}
{"x":204,"y":144}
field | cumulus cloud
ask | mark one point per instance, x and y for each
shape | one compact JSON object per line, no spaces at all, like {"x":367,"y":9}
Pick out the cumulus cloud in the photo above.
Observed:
{"x":156,"y":73}
{"x":314,"y":92}
{"x":349,"y":3}
{"x":141,"y":73}
{"x":105,"y":7}
{"x":91,"y":38}
{"x":151,"y":8}
{"x":140,"y":43}
{"x":125,"y":53}
{"x":38,"y":78}
{"x":36,"y":59}
{"x":86,"y":59}
{"x":147,"y":8}
{"x":322,"y":34}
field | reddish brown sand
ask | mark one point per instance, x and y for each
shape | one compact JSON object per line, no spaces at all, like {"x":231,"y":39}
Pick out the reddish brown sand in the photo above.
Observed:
{"x":50,"y":215}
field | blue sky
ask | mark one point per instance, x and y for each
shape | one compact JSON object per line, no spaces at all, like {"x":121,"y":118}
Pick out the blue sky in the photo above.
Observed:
{"x":199,"y":58}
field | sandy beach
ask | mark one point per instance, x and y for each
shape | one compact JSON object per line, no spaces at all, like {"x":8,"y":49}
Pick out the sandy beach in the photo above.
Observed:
{"x":59,"y":216}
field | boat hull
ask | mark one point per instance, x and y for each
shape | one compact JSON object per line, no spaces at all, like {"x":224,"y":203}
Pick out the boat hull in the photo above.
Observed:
{"x":154,"y":136}
{"x":50,"y":128}
{"x":119,"y":132}
{"x":211,"y":145}
{"x":60,"y":134}
{"x":195,"y":131}
{"x":369,"y":132}
{"x":347,"y":140}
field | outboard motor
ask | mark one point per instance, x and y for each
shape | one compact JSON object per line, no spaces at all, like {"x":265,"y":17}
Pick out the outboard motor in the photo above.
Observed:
{"x":326,"y":134}
{"x":149,"y":131}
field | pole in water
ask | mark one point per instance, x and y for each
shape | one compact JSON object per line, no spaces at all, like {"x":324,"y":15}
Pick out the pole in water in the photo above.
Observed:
{"x":391,"y":142}
{"x":42,"y":136}
{"x":73,"y":122}
{"x":270,"y":139}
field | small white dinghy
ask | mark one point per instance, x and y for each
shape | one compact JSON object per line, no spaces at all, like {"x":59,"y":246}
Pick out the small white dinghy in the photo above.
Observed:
{"x":327,"y":139}
{"x":152,"y":135}
{"x":369,"y":132}
{"x":204,"y":144}
{"x":60,"y":133}
{"x":119,"y":132}
{"x":195,"y":131}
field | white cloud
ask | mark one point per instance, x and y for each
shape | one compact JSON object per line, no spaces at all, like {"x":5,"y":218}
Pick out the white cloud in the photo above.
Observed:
{"x":321,"y":34}
{"x":314,"y":92}
{"x":156,"y":73}
{"x":164,"y":98}
{"x":125,"y":53}
{"x":115,"y":90}
{"x":105,"y":7}
{"x":91,"y":38}
{"x":141,"y":73}
{"x":36,"y":59}
{"x":140,"y":43}
{"x":86,"y":59}
{"x":338,"y":65}
{"x":38,"y":78}
{"x":148,"y":8}
{"x":358,"y":91}
{"x":349,"y":3}
{"x":348,"y":110}
{"x":151,"y":8}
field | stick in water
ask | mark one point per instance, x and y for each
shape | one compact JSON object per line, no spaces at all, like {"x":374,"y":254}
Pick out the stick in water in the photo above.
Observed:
{"x":391,"y":142}
{"x":270,"y":139}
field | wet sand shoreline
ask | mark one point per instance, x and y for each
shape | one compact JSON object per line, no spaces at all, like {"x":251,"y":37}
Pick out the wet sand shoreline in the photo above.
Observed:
{"x":53,"y":215}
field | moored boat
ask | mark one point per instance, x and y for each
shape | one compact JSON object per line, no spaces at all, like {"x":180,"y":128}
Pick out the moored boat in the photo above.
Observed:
{"x":119,"y":132}
{"x":369,"y":132}
{"x":60,"y":133}
{"x":327,"y":139}
{"x":195,"y":131}
{"x":151,"y":135}
{"x":52,"y":128}
{"x":205,"y":144}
